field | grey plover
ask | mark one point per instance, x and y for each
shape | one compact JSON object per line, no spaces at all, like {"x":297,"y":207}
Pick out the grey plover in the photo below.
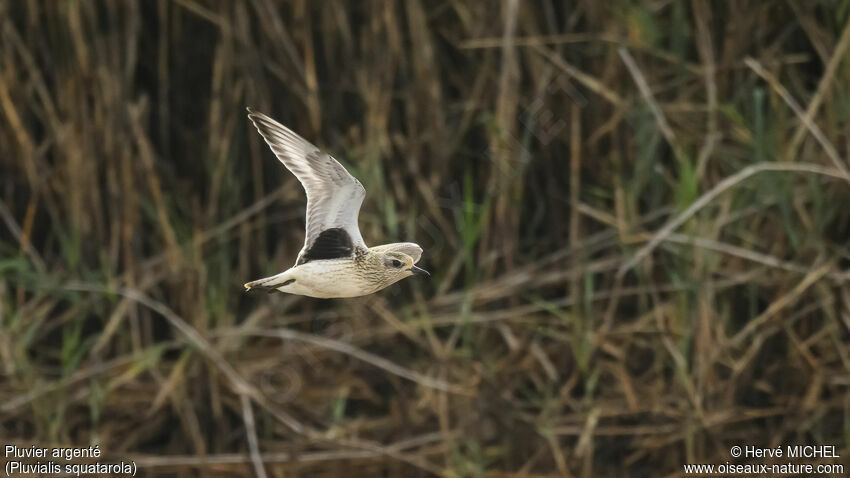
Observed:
{"x":334,"y":262}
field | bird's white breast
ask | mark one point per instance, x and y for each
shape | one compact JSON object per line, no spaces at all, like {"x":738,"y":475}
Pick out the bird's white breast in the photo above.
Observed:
{"x":328,"y":279}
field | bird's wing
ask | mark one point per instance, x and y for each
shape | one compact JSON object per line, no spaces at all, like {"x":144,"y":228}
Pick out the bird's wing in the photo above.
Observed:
{"x":333,"y":195}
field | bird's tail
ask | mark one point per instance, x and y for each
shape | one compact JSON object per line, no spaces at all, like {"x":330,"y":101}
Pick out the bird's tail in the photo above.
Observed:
{"x":269,"y":284}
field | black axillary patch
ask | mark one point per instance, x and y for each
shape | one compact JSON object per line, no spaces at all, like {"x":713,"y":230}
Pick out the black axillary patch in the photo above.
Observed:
{"x":331,"y":244}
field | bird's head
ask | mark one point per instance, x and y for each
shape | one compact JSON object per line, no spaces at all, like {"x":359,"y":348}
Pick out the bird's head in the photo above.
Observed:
{"x":398,"y":261}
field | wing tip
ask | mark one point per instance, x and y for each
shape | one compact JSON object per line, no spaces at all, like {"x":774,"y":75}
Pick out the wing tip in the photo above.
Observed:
{"x":252,"y":113}
{"x":259,"y":118}
{"x":264,"y":123}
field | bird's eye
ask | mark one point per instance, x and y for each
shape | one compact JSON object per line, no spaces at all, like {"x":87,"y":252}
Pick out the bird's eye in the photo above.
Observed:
{"x":396,"y":263}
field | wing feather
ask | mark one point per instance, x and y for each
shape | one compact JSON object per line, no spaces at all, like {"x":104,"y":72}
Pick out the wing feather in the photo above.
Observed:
{"x":333,"y":195}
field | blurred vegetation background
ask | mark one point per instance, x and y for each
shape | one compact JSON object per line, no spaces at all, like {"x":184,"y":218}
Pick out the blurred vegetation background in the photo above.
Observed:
{"x":634,"y":213}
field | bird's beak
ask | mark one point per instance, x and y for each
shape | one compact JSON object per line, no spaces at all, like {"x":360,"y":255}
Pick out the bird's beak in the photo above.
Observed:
{"x":419,"y":271}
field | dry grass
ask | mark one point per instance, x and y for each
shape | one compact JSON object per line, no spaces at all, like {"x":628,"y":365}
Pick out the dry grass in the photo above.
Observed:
{"x":634,"y":213}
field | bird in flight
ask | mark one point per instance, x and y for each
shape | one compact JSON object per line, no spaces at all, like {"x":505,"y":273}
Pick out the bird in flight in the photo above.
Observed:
{"x":334,"y":262}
